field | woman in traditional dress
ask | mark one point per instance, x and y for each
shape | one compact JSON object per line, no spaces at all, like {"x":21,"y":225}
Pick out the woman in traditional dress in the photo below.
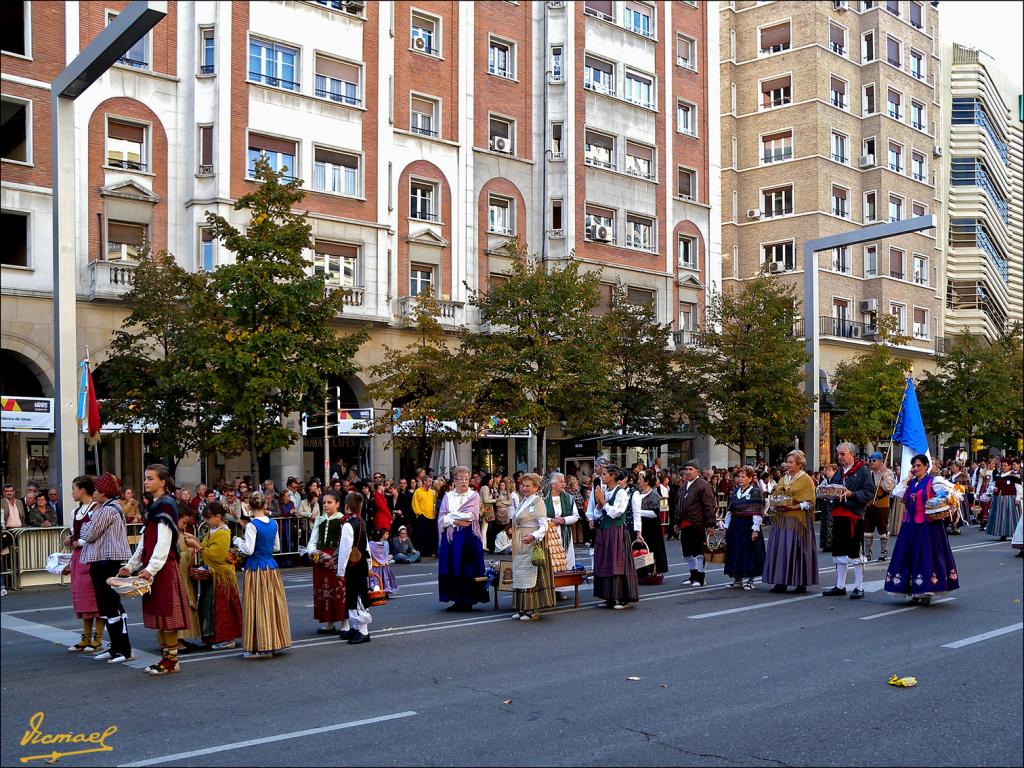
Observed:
{"x":614,"y":527}
{"x":188,"y":639}
{"x":156,"y":560}
{"x":502,"y":502}
{"x":792,"y":558}
{"x":922,"y":562}
{"x":266,"y":629}
{"x":532,"y":580}
{"x":220,"y":610}
{"x":460,"y":557}
{"x":744,"y":546}
{"x":83,"y":596}
{"x":328,"y":593}
{"x":646,"y":503}
{"x":1005,"y":510}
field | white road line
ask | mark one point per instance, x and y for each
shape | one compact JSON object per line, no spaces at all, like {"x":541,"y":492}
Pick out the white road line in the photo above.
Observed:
{"x":904,"y":610}
{"x":64,"y":637}
{"x":267,"y":740}
{"x":753,"y":607}
{"x":985,"y":636}
{"x":414,"y":594}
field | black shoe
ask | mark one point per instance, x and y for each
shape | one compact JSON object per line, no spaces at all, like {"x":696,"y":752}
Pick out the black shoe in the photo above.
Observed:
{"x":801,"y":590}
{"x":322,"y":631}
{"x":358,"y":638}
{"x":778,"y":589}
{"x":346,"y":634}
{"x":834,"y":592}
{"x":857,"y":594}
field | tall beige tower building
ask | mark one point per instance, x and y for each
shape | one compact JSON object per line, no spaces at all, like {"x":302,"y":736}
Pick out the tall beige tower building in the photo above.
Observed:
{"x":831,"y":119}
{"x":983,"y":158}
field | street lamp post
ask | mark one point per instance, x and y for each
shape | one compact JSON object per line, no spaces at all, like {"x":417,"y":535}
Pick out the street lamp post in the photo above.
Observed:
{"x":130,"y":26}
{"x":811,"y":249}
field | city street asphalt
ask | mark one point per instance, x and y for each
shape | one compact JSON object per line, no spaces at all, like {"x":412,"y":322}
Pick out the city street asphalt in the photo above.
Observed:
{"x":710,"y":676}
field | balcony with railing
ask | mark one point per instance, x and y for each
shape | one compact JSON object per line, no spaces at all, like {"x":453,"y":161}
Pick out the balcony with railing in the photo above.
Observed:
{"x":966,"y":172}
{"x":599,"y":86}
{"x":421,"y":131}
{"x":110,"y":279}
{"x":205,"y":170}
{"x":775,"y":156}
{"x":842,"y":328}
{"x":126,"y":165}
{"x":340,"y":98}
{"x":134,"y":63}
{"x":422,"y":214}
{"x":688,"y":337}
{"x":968,"y":111}
{"x":206,"y":69}
{"x":275,"y":82}
{"x":448,"y":312}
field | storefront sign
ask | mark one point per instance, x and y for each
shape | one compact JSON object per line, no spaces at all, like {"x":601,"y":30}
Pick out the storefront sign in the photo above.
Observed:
{"x":354,"y":421}
{"x":26,"y":414}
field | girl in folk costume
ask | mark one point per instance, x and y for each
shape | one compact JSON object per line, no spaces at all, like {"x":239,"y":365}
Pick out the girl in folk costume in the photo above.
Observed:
{"x":328,"y":593}
{"x":354,"y":571}
{"x":156,"y":560}
{"x":1006,"y":495}
{"x":922,"y":562}
{"x":792,"y":559}
{"x":646,"y":504}
{"x":460,"y":558}
{"x":381,"y":560}
{"x":532,"y":580}
{"x":614,"y":575}
{"x":744,"y":546}
{"x":220,"y":609}
{"x":190,"y":639}
{"x":83,"y":596}
{"x":266,"y":629}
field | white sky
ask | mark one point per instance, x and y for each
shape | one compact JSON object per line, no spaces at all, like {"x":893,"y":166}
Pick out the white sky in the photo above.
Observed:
{"x":994,"y":26}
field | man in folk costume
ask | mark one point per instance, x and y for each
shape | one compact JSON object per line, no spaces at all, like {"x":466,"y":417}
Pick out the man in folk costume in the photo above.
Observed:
{"x":876,"y":516}
{"x":354,"y":570}
{"x":328,"y":594}
{"x":695,"y":516}
{"x":460,"y":557}
{"x":848,"y":526}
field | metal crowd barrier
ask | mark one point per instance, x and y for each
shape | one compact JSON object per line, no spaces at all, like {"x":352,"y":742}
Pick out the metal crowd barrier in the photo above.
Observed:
{"x":31,"y":548}
{"x":8,"y":573}
{"x":293,"y":531}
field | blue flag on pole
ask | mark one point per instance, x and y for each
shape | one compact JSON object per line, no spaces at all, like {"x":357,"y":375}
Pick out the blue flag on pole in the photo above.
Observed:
{"x":909,"y":431}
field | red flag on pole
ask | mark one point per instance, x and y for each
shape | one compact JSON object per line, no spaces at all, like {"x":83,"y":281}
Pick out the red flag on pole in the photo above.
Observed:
{"x":94,"y":408}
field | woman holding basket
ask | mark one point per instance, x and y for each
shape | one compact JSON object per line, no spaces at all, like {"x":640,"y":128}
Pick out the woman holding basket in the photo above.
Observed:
{"x":792,"y":559}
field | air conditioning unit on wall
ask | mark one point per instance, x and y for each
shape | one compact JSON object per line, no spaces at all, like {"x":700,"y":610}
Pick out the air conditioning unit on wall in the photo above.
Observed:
{"x":754,"y":213}
{"x":776,"y":266}
{"x":869,"y":305}
{"x":501,"y":144}
{"x":601,"y":233}
{"x":419,"y":44}
{"x":867,"y":161}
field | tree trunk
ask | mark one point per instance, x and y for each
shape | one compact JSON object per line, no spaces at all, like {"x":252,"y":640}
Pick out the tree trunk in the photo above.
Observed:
{"x":743,"y":444}
{"x":542,"y":440}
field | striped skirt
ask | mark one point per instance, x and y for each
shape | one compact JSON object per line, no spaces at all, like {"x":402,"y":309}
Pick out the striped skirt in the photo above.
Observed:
{"x":540,"y":596}
{"x":1003,"y":516}
{"x":83,"y":596}
{"x":265,"y":624}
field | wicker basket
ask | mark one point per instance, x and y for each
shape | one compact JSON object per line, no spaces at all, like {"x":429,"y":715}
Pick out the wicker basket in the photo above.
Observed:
{"x":831,"y":491}
{"x":199,"y":573}
{"x":129,"y":586}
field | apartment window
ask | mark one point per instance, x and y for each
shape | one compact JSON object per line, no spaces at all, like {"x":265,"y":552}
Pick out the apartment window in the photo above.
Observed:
{"x":840,"y":202}
{"x":893,"y":51}
{"x":920,"y":323}
{"x":917,"y":115}
{"x":916,"y":14}
{"x":14,"y":28}
{"x":501,"y":60}
{"x":841,"y":317}
{"x":836,"y":38}
{"x":421,"y":201}
{"x":779,"y":253}
{"x":138,"y":55}
{"x":686,"y":118}
{"x":597,"y":217}
{"x":421,"y":278}
{"x":870,"y":206}
{"x":639,"y":160}
{"x":895,"y":157}
{"x":870,"y":104}
{"x":337,"y":81}
{"x":637,"y":18}
{"x":867,"y":5}
{"x":336,"y":263}
{"x":556,"y":141}
{"x":687,"y":316}
{"x":502,"y":134}
{"x":840,"y":148}
{"x":15,"y":229}
{"x":556,"y":217}
{"x":687,"y":253}
{"x":870,"y":261}
{"x":775,"y":38}
{"x":841,"y":260}
{"x":499,"y":216}
{"x":556,"y":64}
{"x":867,"y":48}
{"x":837,"y":92}
{"x":777,"y":146}
{"x":896,"y":263}
{"x":917,"y":169}
{"x":639,"y":232}
{"x":686,"y":185}
{"x":423,"y":35}
{"x":598,"y":149}
{"x":205,"y":150}
{"x":15,"y":130}
{"x":917,"y":64}
{"x":126,"y":145}
{"x":206,"y":250}
{"x":423,"y":116}
{"x":686,"y":52}
{"x":336,"y":172}
{"x":900,"y":313}
{"x":918,"y":209}
{"x":895,"y":101}
{"x":207,"y":51}
{"x":640,"y":297}
{"x":599,"y":75}
{"x":895,"y":208}
{"x":280,"y":153}
{"x":600,"y":8}
{"x":869,"y":150}
{"x":893,"y":7}
{"x":776,"y":92}
{"x":920,"y":269}
{"x":125,"y":240}
{"x":639,"y":90}
{"x":777,"y":201}
{"x":274,"y":65}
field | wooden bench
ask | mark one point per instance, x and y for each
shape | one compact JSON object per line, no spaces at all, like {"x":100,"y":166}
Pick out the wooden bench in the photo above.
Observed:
{"x":564,"y":579}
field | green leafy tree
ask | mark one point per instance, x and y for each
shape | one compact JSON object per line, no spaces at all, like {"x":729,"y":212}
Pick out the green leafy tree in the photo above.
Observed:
{"x":869,"y":387}
{"x":1006,"y":425}
{"x":422,"y":382}
{"x":540,"y":357}
{"x":749,"y":366}
{"x":273,"y":345}
{"x":151,"y":370}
